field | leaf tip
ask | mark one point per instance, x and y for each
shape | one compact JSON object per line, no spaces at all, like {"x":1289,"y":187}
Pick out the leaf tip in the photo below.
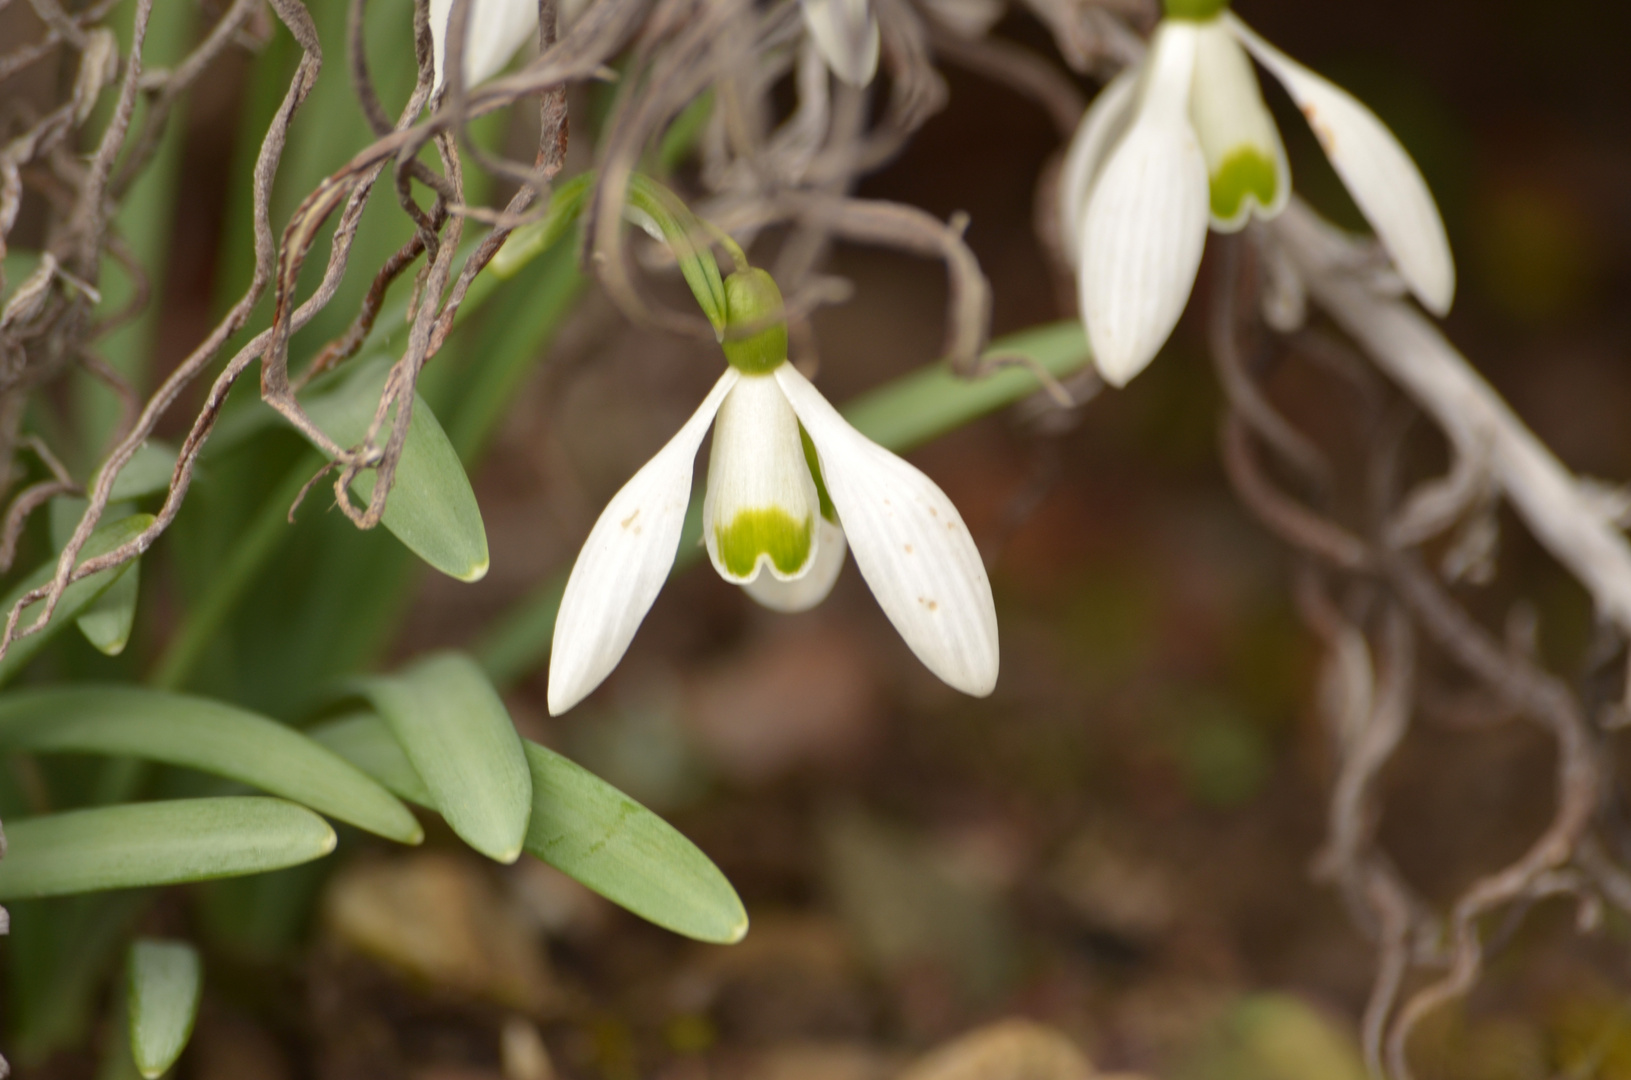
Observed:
{"x":477,"y":571}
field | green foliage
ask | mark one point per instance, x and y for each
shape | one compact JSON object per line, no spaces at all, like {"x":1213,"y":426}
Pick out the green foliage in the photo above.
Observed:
{"x":204,"y":735}
{"x":590,"y":831}
{"x":162,"y":984}
{"x":459,"y":738}
{"x":583,"y":827}
{"x":431,"y":507}
{"x":75,"y":599}
{"x":157,"y":843}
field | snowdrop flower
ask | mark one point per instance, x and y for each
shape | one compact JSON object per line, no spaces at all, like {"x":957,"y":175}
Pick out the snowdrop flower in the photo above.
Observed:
{"x":845,"y":32}
{"x":494,"y":32}
{"x":788,"y":479}
{"x":1184,"y":138}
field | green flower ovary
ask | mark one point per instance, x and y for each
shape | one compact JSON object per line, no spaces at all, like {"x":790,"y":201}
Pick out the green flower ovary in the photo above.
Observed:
{"x":751,"y":297}
{"x":1195,"y":9}
{"x":771,"y":532}
{"x":1246,"y":172}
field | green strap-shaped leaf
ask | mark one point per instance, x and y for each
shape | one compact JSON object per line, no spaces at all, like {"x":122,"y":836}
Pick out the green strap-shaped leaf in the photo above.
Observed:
{"x":460,"y":739}
{"x":157,"y":843}
{"x":585,"y":828}
{"x":590,"y":831}
{"x":107,"y":622}
{"x":163,"y":979}
{"x":147,"y":472}
{"x":213,"y":737}
{"x":363,"y":739}
{"x":75,"y":599}
{"x":431,"y":508}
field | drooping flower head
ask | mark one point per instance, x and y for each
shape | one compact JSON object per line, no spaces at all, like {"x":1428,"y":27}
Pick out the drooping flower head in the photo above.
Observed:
{"x":1184,"y":139}
{"x":789,"y":482}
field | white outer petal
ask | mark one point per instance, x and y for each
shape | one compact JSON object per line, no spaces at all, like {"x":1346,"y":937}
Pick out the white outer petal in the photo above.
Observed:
{"x":1226,"y":107}
{"x":1378,"y":171}
{"x":846,"y":33}
{"x":757,"y":463}
{"x":910,"y":544}
{"x":809,"y":590}
{"x":1103,"y":123}
{"x":1145,"y":223}
{"x":625,"y":561}
{"x":495,"y":32}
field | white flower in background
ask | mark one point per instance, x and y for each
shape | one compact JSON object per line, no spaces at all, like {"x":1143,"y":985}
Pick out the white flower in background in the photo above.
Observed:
{"x":788,"y":478}
{"x":845,"y":32}
{"x":1184,"y":137}
{"x":493,"y":34}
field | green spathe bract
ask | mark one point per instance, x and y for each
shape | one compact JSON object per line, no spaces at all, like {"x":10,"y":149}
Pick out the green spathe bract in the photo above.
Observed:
{"x":771,"y":532}
{"x":751,"y":297}
{"x":1246,"y":173}
{"x":1195,"y":9}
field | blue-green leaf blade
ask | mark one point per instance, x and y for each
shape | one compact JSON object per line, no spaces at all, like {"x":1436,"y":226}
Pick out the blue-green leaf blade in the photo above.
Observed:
{"x":459,"y":737}
{"x":432,"y":508}
{"x":148,"y":472}
{"x":162,"y":984}
{"x":583,"y":827}
{"x":590,"y":831}
{"x":157,"y":843}
{"x":108,"y":620}
{"x":75,"y":599}
{"x":363,"y":739}
{"x":213,"y":737}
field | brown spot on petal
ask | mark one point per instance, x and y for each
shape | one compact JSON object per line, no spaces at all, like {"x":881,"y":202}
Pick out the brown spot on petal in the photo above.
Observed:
{"x":630,"y":519}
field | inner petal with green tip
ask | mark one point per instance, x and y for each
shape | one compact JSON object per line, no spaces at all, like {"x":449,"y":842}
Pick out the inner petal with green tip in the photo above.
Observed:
{"x":762,"y":503}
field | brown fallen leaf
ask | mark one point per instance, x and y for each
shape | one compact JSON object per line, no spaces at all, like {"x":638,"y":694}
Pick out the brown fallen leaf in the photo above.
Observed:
{"x":440,"y":919}
{"x":1006,"y":1050}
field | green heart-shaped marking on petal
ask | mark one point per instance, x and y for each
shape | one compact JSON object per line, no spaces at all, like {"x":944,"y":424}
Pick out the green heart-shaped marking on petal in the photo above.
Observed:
{"x":1245,"y":173}
{"x":1195,"y":9}
{"x":771,"y":531}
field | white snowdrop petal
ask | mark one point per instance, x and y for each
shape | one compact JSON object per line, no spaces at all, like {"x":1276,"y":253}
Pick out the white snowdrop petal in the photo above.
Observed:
{"x":625,"y":561}
{"x":761,"y":509}
{"x":910,"y":544}
{"x":809,"y":590}
{"x":1244,"y":156}
{"x":1377,"y":170}
{"x":846,"y":33}
{"x":1145,"y":221}
{"x":1101,"y":125}
{"x":496,"y":30}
